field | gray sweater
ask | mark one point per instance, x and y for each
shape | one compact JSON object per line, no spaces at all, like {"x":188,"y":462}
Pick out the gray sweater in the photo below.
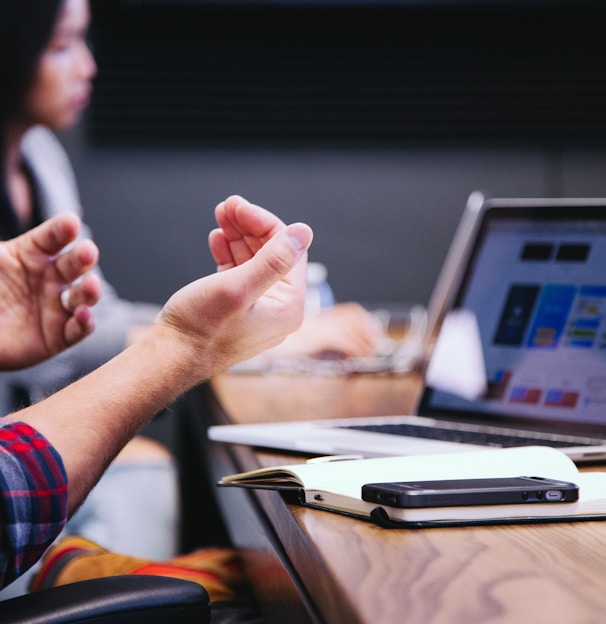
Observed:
{"x":57,"y":192}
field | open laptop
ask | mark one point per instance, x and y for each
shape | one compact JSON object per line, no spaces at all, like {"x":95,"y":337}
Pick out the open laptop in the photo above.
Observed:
{"x":528,"y":279}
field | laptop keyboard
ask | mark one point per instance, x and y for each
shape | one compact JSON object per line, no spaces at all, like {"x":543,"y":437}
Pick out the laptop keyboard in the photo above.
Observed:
{"x":482,"y":437}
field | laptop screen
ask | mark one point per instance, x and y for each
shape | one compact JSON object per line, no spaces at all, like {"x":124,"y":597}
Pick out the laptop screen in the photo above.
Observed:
{"x":535,"y":283}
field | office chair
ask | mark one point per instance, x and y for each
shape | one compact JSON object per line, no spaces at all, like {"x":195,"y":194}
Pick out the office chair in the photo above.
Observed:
{"x":127,"y":599}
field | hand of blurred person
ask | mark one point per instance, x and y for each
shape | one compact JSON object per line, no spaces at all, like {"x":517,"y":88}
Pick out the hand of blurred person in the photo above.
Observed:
{"x":343,"y":330}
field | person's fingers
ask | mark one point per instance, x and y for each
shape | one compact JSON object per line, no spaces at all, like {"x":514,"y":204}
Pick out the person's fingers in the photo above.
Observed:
{"x":219,"y":248}
{"x":54,"y":234}
{"x":276,"y":259}
{"x":79,"y":325}
{"x":77,"y":261}
{"x":85,"y":293}
{"x":237,"y":216}
{"x":246,"y":227}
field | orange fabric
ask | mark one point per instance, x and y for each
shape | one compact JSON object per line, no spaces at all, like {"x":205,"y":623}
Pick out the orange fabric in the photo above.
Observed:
{"x":218,"y":570}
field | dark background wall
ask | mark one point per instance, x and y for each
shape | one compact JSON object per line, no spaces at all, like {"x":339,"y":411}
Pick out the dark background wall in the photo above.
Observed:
{"x":371,"y":121}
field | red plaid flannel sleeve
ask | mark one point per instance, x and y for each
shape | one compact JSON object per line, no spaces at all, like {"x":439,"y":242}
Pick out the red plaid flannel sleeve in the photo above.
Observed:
{"x":33,"y":497}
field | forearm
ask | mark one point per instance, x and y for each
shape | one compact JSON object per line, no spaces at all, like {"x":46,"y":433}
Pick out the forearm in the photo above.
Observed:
{"x":204,"y":327}
{"x":92,"y":419}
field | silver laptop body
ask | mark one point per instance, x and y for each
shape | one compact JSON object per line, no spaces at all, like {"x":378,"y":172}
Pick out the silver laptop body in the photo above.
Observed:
{"x":524,"y":285}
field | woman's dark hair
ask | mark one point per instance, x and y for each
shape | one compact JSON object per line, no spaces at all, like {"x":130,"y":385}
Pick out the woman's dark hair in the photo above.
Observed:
{"x":25,"y":29}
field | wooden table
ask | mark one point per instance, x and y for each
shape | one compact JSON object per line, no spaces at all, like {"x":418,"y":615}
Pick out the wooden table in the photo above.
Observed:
{"x":314,"y":566}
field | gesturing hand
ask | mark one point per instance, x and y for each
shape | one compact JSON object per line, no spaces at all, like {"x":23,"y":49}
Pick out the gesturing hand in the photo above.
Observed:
{"x":42,"y":311}
{"x":256,"y":298}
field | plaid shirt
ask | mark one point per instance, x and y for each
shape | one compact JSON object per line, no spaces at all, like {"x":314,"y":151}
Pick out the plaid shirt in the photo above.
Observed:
{"x":33,"y":497}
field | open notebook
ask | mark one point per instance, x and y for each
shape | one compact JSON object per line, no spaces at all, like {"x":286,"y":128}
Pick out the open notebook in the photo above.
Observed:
{"x":337,"y":486}
{"x":519,"y":311}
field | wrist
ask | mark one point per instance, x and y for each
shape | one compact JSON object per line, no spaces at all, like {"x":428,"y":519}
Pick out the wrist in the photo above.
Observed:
{"x":169,"y":360}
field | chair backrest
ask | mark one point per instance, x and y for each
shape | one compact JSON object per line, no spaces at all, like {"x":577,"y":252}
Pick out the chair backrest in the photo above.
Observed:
{"x":128,"y":599}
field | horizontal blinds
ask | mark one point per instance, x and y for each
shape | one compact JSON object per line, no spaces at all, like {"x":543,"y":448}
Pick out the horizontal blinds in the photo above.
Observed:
{"x":195,"y":73}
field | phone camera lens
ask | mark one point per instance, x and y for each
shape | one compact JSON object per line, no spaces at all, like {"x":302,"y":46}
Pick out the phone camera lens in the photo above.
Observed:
{"x":525,"y":495}
{"x":540,"y":495}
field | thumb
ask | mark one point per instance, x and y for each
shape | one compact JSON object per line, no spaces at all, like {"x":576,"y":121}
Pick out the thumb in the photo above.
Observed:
{"x":278,"y":258}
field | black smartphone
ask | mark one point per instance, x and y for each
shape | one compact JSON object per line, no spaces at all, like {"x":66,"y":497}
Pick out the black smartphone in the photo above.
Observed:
{"x":455,"y":492}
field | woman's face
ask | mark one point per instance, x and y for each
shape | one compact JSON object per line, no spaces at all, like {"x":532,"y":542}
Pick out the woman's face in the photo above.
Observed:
{"x":61,"y":87}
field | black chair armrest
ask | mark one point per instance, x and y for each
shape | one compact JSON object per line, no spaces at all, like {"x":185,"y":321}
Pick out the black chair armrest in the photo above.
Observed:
{"x":128,"y":599}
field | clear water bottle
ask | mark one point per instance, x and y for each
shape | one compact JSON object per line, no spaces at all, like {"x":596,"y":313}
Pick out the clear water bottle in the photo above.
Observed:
{"x":319,"y":293}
